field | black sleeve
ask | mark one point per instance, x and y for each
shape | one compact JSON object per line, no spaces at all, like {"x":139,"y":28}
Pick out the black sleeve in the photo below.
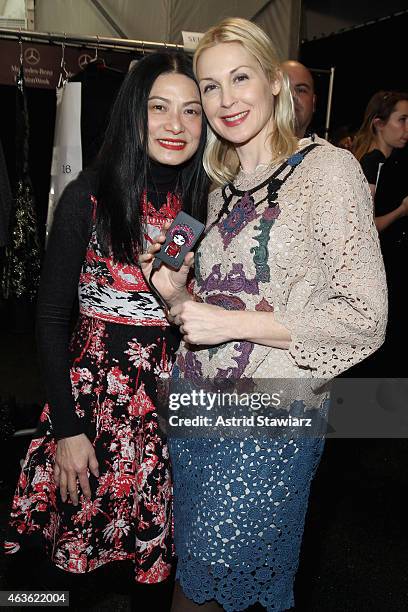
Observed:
{"x":369,"y":164}
{"x":65,"y":254}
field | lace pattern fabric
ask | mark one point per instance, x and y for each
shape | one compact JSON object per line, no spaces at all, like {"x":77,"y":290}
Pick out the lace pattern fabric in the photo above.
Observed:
{"x":313,"y":259}
{"x":323,"y":261}
{"x":242,"y":507}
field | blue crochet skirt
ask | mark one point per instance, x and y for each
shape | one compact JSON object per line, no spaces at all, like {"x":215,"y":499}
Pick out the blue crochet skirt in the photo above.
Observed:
{"x":239,"y":513}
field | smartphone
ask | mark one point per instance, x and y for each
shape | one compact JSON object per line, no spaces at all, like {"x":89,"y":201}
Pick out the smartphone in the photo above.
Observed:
{"x":181,"y":237}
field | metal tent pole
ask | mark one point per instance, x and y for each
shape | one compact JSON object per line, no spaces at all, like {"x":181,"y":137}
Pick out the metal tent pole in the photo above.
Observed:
{"x":75,"y":40}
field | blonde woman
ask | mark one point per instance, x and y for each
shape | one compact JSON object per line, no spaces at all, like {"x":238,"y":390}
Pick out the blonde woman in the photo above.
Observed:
{"x":289,"y":284}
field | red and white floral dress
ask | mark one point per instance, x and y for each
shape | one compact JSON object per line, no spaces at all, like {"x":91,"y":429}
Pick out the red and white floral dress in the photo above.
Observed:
{"x":121,"y":345}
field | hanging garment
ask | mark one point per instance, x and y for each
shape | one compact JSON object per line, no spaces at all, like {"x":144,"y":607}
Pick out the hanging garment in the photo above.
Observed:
{"x":100,"y":86}
{"x":67,"y":151}
{"x":21,"y":271}
{"x":5,"y":200}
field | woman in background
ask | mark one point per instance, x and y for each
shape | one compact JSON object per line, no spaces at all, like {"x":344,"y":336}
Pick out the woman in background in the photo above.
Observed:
{"x":384,"y":129}
{"x":377,"y":145}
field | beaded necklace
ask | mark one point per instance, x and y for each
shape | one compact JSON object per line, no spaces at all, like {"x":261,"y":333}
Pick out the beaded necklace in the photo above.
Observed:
{"x":273,"y":184}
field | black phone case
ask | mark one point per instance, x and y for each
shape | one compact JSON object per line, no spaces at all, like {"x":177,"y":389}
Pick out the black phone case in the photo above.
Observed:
{"x":181,"y":237}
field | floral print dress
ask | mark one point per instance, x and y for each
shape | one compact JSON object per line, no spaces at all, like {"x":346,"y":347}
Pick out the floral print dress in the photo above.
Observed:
{"x":121,"y":345}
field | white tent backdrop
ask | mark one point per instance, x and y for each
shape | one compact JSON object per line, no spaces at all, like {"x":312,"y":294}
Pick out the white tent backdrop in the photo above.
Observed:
{"x":163,"y":20}
{"x":281,"y":19}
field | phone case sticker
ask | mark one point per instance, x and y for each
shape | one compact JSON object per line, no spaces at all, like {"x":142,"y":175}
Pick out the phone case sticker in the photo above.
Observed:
{"x":181,"y":235}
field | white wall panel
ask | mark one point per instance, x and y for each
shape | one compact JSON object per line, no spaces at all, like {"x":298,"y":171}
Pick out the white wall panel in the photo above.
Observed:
{"x":154,"y":20}
{"x":141,"y":19}
{"x":281,"y":21}
{"x":199,"y":16}
{"x":72,"y":17}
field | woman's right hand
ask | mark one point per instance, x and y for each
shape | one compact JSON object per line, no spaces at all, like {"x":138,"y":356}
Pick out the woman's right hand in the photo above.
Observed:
{"x":171,"y":284}
{"x":74,"y":456}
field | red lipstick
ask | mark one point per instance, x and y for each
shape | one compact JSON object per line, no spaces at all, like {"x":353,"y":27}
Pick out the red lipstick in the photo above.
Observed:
{"x":170,"y":143}
{"x":231,"y":122}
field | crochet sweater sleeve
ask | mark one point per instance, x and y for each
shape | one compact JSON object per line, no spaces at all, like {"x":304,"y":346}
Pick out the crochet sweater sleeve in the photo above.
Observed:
{"x":345,"y":318}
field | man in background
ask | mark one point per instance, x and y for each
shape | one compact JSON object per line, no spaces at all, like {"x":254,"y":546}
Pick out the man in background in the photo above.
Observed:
{"x":304,"y":97}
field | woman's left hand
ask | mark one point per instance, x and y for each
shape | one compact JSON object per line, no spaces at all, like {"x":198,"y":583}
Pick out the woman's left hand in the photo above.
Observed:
{"x":203,"y":323}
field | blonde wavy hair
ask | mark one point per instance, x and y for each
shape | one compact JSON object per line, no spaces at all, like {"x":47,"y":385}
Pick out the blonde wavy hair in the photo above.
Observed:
{"x":220,"y":158}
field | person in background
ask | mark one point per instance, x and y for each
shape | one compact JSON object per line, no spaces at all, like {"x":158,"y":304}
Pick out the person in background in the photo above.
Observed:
{"x":378,"y":145}
{"x":384,"y":129}
{"x":289,"y":284}
{"x":343,"y":137}
{"x":95,"y":487}
{"x":304,"y":97}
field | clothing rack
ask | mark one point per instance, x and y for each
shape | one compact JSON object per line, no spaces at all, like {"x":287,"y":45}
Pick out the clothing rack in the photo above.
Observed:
{"x":93,"y":42}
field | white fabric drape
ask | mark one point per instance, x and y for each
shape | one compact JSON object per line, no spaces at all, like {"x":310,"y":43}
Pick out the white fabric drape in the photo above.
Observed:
{"x":281,"y":21}
{"x":155,"y":20}
{"x":67,"y":151}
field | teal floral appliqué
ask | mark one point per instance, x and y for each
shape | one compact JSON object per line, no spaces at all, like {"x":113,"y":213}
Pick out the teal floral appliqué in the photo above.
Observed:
{"x":260,"y":258}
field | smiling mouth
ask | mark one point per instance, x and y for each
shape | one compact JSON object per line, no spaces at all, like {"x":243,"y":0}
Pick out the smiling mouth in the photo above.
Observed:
{"x":232,"y":120}
{"x":175,"y":145}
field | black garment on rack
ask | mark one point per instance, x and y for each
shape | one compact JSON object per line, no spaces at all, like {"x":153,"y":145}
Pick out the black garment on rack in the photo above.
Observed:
{"x":100,"y":86}
{"x":21,"y":272}
{"x":5,"y":200}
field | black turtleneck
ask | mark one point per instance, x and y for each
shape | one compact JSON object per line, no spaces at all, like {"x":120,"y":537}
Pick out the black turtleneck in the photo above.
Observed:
{"x":161,"y":180}
{"x":66,"y":251}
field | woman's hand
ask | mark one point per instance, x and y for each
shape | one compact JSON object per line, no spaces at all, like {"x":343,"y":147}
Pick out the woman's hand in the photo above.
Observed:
{"x":171,"y":284}
{"x":203,"y":323}
{"x":404,"y":207}
{"x":74,"y":456}
{"x":207,"y":324}
{"x":384,"y":221}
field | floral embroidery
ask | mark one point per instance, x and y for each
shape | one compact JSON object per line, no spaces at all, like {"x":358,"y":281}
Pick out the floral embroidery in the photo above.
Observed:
{"x":242,"y":213}
{"x":129,"y":514}
{"x":234,"y":281}
{"x":260,"y":258}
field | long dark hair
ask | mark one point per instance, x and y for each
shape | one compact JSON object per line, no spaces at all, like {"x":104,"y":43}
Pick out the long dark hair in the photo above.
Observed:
{"x":123,"y":160}
{"x":380,"y":106}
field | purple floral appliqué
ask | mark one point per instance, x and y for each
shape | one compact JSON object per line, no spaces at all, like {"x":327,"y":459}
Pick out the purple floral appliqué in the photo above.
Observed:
{"x":242,"y":213}
{"x":271,"y":213}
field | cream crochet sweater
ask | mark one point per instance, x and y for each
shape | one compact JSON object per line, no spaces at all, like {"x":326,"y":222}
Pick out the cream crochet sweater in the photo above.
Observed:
{"x":317,"y":265}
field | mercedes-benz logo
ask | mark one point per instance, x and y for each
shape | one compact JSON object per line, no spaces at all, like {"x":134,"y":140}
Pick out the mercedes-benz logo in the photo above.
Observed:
{"x":32,"y":56}
{"x":84,"y":59}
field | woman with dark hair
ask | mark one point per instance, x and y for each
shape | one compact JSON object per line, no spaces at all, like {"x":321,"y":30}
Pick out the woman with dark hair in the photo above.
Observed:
{"x":377,"y":145}
{"x":384,"y":129}
{"x":95,"y":486}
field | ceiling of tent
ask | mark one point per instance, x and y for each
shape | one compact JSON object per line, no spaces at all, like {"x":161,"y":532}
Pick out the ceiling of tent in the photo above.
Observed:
{"x":153,"y":20}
